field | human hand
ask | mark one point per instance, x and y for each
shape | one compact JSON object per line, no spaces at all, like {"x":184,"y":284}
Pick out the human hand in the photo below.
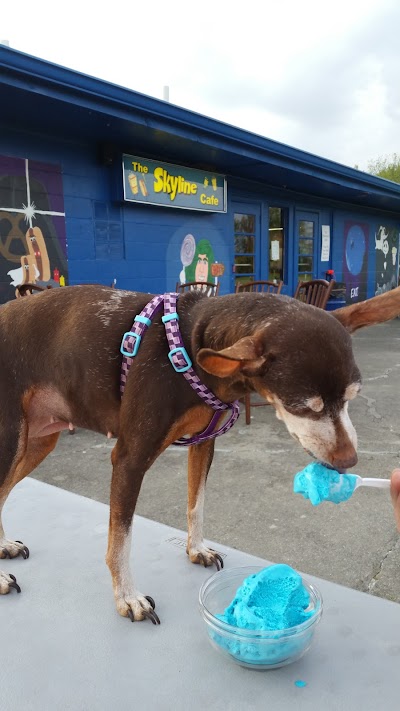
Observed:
{"x":395,"y":494}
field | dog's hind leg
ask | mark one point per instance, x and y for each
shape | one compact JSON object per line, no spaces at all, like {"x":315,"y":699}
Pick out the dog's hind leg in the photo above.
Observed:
{"x":20,"y":457}
{"x":199,"y":462}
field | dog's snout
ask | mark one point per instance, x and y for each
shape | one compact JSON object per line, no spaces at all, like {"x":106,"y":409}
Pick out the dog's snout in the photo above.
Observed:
{"x":344,"y":459}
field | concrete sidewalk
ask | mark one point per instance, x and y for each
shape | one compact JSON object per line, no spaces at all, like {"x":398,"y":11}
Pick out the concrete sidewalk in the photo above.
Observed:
{"x":249,"y":501}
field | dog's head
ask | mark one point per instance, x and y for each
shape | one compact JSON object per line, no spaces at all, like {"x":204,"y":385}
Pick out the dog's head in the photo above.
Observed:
{"x":300,"y":359}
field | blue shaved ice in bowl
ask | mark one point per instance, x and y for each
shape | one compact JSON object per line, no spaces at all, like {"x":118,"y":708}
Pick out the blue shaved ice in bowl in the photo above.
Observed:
{"x":261,"y":618}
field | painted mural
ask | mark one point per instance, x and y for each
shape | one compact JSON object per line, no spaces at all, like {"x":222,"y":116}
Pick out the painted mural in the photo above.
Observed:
{"x":198,"y":262}
{"x":355,"y":260}
{"x":32,"y":225}
{"x":387,"y":258}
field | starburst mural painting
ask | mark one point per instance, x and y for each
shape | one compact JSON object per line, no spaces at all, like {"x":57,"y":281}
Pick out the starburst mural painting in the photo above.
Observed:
{"x":32,"y":225}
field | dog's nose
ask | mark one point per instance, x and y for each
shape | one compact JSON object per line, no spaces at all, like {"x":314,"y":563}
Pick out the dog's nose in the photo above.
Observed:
{"x":344,"y":459}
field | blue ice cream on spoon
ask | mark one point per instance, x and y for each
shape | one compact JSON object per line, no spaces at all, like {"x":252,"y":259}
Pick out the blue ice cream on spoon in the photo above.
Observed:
{"x":319,"y":483}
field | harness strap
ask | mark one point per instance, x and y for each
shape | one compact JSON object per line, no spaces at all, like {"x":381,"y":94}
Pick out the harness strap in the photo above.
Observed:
{"x":131,"y":339}
{"x":182,"y":364}
{"x":180,"y":361}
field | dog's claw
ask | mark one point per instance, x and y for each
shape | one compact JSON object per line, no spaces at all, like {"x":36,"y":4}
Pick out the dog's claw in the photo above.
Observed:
{"x":219,"y":563}
{"x":7,"y":582}
{"x":152,"y":616}
{"x":207,"y":558}
{"x":151,"y":601}
{"x":147,"y":614}
{"x":15,"y":585}
{"x":11,"y":550}
{"x":24,"y":550}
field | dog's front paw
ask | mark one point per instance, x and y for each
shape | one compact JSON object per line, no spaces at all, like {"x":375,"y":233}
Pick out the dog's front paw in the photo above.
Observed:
{"x":7,"y":582}
{"x":137,"y":607}
{"x":205,"y":556}
{"x":12,"y":549}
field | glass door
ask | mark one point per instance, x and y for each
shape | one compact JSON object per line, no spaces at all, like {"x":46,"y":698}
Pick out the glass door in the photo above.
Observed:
{"x":246,"y":229}
{"x":306,"y":246}
{"x":277,"y":222}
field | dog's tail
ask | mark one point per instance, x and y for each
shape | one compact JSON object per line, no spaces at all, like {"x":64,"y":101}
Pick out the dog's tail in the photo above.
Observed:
{"x":368,"y":313}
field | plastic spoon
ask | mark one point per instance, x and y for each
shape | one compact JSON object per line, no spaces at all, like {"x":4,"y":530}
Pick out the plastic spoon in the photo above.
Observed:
{"x":378,"y":483}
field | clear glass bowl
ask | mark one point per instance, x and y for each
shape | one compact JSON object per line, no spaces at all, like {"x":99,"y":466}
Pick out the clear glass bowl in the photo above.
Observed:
{"x":256,"y":649}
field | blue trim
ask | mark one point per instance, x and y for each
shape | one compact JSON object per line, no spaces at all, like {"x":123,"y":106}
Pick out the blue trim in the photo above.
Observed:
{"x":130,"y":354}
{"x":182,"y":351}
{"x":170,"y":317}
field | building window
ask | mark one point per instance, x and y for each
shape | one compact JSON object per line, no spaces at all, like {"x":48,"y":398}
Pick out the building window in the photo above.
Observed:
{"x":245,"y":246}
{"x":276,"y":231}
{"x":306,"y":250}
{"x":108,"y":233}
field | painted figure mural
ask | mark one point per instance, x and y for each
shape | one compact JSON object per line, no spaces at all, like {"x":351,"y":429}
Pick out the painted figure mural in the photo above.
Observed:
{"x":387,"y":258}
{"x":32,"y":225}
{"x":355,"y":261}
{"x":198,"y":263}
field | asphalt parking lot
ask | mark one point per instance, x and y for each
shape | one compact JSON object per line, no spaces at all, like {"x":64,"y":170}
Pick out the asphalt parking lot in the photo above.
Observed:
{"x":249,"y":500}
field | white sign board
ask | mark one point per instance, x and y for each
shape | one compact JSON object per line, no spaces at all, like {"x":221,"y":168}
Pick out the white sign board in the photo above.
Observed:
{"x":326,"y":243}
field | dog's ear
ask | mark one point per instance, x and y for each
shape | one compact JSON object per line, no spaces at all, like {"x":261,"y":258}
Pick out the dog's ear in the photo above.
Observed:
{"x":371,"y":312}
{"x":246,"y":355}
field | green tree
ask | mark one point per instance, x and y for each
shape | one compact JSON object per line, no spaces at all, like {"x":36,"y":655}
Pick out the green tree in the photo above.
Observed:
{"x":386,"y":167}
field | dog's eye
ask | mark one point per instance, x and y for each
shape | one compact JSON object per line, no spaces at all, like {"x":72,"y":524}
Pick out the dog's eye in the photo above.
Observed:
{"x":316,"y":404}
{"x":303,"y":411}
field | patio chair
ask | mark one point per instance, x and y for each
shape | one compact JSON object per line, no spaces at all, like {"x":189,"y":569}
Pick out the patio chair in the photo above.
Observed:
{"x":315,"y":292}
{"x":265,"y":287}
{"x":208,"y":287}
{"x":28,"y":289}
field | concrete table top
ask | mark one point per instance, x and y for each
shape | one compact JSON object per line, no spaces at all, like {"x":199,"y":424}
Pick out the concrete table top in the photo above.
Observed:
{"x":64,"y":647}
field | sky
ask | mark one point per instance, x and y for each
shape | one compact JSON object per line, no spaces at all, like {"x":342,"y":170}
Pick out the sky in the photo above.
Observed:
{"x":321,"y":77}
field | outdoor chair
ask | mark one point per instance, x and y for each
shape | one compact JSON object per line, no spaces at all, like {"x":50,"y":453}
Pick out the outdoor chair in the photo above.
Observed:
{"x":207,"y":287}
{"x":315,"y":292}
{"x":28,"y":289}
{"x":265,"y":287}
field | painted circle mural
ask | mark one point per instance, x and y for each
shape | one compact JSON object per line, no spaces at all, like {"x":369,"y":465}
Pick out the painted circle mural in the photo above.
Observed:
{"x":188,"y":250}
{"x":355,"y":249}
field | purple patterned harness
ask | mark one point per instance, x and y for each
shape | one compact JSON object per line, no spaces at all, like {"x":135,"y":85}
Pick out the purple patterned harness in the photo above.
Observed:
{"x":180,"y":362}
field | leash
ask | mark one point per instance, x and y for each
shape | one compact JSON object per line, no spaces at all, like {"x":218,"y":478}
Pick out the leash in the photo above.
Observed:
{"x":180,"y":362}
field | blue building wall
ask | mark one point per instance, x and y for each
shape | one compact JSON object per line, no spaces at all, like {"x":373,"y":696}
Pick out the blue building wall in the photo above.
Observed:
{"x":137,"y":245}
{"x":140,"y":246}
{"x":153,"y":242}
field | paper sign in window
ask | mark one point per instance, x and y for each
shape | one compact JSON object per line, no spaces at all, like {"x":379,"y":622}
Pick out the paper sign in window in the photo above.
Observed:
{"x":326,"y":243}
{"x":274,"y":250}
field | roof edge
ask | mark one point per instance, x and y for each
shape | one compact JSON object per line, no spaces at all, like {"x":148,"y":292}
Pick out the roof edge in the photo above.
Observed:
{"x":14,"y":63}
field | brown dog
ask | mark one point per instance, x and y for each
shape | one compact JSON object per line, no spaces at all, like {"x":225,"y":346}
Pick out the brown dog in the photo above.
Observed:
{"x":60,"y":366}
